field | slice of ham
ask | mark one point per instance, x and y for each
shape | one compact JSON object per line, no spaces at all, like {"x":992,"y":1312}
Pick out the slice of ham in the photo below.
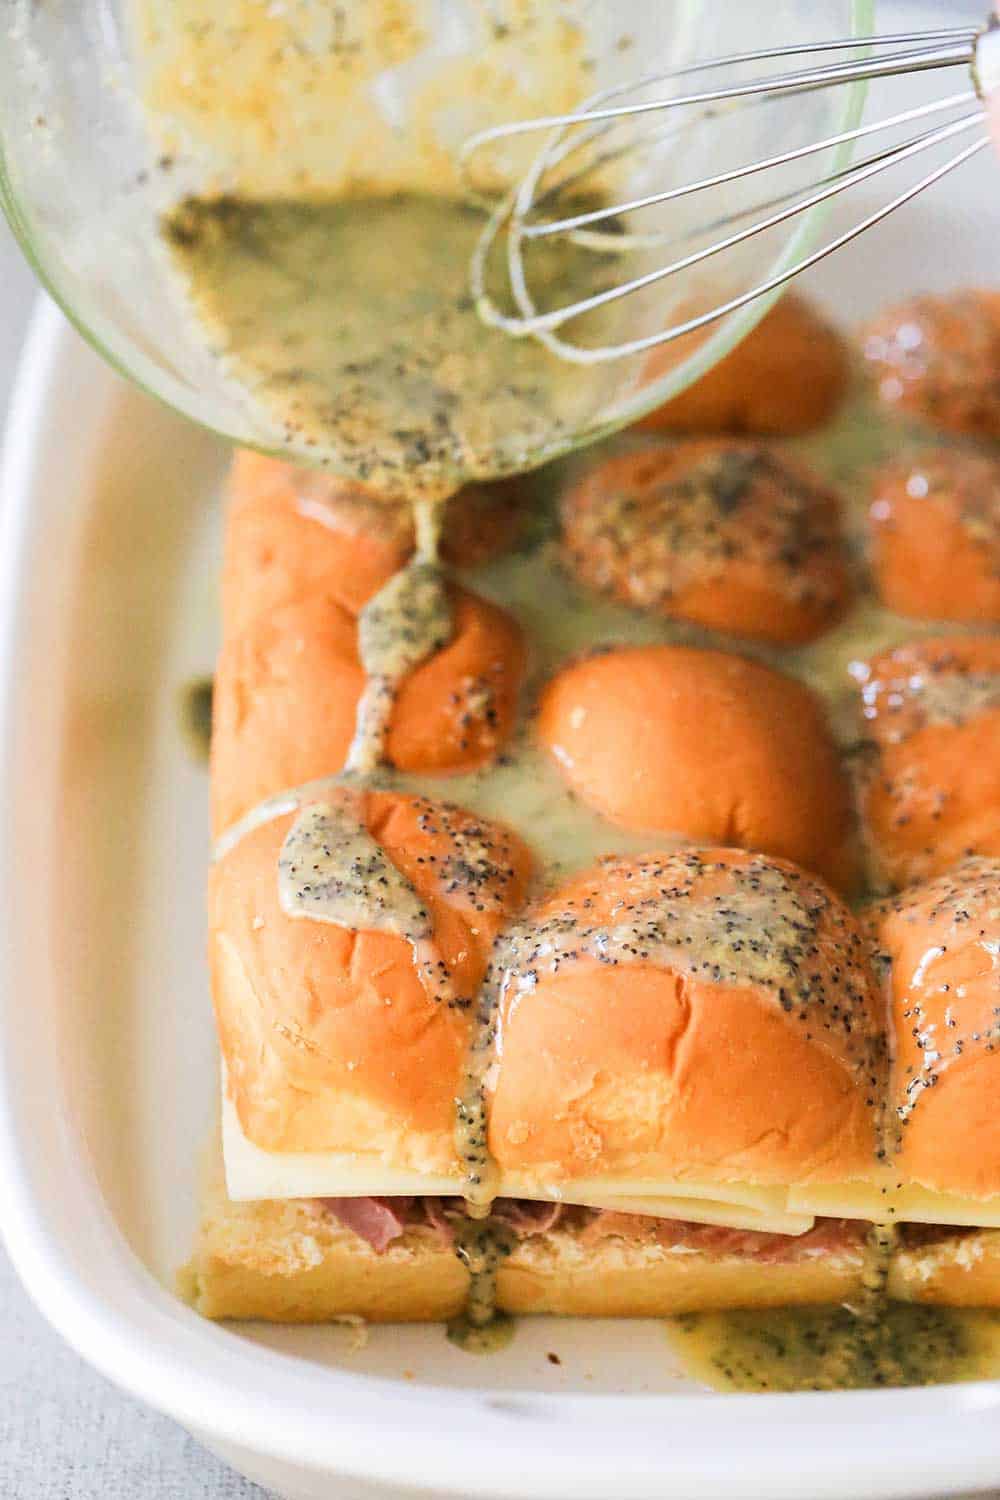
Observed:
{"x":378,"y":1221}
{"x":923,"y":1236}
{"x":527,"y":1217}
{"x":522,"y":1215}
{"x":439,"y":1214}
{"x":381,"y":1221}
{"x":827,"y":1236}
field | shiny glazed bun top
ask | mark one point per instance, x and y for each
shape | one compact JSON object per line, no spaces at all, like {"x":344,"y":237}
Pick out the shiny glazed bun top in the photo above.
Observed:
{"x":939,"y":946}
{"x":343,"y":1037}
{"x":293,"y":532}
{"x":930,"y":780}
{"x":707,"y":1014}
{"x":722,"y":532}
{"x":787,"y":375}
{"x":675,"y":740}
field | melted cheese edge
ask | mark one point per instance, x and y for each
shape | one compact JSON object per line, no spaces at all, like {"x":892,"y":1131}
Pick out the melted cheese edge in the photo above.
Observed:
{"x":252,"y":1173}
{"x":886,"y":1200}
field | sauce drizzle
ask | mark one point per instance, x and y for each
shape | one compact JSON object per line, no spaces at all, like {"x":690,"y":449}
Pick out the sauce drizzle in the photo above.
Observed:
{"x":332,"y":870}
{"x":408,"y":620}
{"x":762,"y":930}
{"x":817,"y":1348}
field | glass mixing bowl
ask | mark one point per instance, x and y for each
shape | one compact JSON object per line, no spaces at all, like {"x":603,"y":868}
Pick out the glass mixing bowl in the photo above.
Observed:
{"x":113,"y":110}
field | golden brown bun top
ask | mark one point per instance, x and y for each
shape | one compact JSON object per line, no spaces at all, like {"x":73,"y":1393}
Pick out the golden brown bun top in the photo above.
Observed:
{"x":723,"y":532}
{"x":788,"y":375}
{"x":705,"y":744}
{"x":706,"y":1014}
{"x":304,"y":552}
{"x":937,"y":358}
{"x":293,"y":532}
{"x":332,"y":1040}
{"x":931,"y":787}
{"x":939,"y":944}
{"x":287,"y":693}
{"x":934,"y":523}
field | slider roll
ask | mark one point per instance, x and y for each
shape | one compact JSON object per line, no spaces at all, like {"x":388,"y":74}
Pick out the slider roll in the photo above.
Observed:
{"x":354,"y":1041}
{"x":939,"y":947}
{"x":705,"y":1015}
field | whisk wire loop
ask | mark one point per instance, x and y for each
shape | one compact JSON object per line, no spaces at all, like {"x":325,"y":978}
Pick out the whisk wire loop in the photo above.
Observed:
{"x":598,"y":215}
{"x":601,"y":228}
{"x":913,"y":60}
{"x":542,"y":323}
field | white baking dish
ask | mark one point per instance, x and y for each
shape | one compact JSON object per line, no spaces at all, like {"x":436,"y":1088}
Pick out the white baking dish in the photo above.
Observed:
{"x":107,"y":1067}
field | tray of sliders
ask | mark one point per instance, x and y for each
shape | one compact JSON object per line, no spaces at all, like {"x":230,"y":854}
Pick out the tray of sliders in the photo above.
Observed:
{"x":537,"y":981}
{"x":603,"y":925}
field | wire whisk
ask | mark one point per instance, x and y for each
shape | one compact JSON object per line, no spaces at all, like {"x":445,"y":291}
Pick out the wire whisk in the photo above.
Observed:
{"x":565,"y":189}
